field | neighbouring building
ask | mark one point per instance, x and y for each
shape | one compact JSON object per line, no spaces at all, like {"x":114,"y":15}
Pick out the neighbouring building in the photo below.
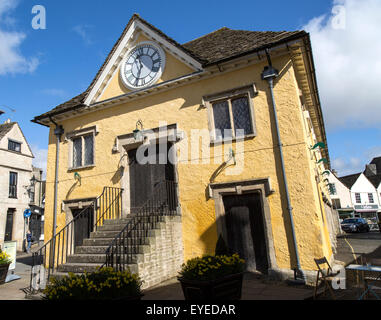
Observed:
{"x":15,"y":174}
{"x":152,"y":92}
{"x":341,"y":196}
{"x":37,"y":204}
{"x":365,"y":201}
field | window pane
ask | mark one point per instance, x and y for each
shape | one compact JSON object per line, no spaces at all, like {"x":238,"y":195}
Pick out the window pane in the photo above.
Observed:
{"x":221,"y":118}
{"x":370,"y":196}
{"x":14,"y":146}
{"x":13,"y":184}
{"x":89,"y":150}
{"x":358,"y":198}
{"x":241,"y":115}
{"x":77,"y":152}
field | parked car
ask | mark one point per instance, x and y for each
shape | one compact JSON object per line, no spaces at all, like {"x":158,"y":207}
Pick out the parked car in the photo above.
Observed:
{"x":355,"y":225}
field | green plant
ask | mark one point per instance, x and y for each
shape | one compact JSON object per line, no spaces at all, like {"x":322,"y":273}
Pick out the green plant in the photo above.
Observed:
{"x":221,"y":248}
{"x":212,"y":267}
{"x":103,"y":284}
{"x":4,"y":258}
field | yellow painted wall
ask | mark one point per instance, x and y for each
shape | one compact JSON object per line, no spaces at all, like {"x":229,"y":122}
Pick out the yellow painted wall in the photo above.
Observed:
{"x":182,"y":106}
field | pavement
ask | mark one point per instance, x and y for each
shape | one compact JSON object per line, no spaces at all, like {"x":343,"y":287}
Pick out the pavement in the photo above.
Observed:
{"x":255,"y":287}
{"x":13,"y":290}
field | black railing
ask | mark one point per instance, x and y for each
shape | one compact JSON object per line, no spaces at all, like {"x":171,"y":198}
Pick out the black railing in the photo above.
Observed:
{"x":55,"y":252}
{"x":125,"y":245}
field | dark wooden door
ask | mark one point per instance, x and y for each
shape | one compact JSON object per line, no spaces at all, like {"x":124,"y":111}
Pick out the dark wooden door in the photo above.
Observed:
{"x":9,"y":225}
{"x":245,"y":228}
{"x":146,"y":179}
{"x":35,"y":226}
{"x":82,"y":225}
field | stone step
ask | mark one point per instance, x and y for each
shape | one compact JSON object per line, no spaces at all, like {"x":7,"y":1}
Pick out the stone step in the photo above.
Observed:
{"x":79,"y":267}
{"x":88,"y":267}
{"x":100,"y":245}
{"x":90,"y":250}
{"x":87,"y":258}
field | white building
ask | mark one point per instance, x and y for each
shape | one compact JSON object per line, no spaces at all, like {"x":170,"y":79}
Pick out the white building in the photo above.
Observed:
{"x":15,"y":175}
{"x":340,"y":196}
{"x":364,"y":197}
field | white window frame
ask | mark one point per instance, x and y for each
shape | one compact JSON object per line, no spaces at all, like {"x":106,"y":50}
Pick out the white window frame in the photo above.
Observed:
{"x":370,"y":195}
{"x":82,"y":133}
{"x":357,"y":193}
{"x":250,"y":91}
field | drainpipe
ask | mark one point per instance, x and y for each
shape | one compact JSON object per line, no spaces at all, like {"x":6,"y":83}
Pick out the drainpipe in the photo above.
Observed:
{"x":269,"y":74}
{"x":58,"y":131}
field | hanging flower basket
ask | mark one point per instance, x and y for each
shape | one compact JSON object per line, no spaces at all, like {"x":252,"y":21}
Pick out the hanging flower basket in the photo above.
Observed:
{"x":212,"y":278}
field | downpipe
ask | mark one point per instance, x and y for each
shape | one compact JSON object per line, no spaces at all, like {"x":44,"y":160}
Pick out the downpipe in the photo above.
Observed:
{"x":269,"y":74}
{"x":58,"y":132}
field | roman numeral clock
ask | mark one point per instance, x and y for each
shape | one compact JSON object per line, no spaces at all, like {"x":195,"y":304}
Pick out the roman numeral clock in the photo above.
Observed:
{"x":143,"y":65}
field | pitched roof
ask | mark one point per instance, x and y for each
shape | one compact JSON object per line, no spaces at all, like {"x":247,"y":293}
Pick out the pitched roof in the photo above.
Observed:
{"x":217,"y":46}
{"x":375,"y":180}
{"x":350,"y":180}
{"x":225,"y":43}
{"x":5,"y":128}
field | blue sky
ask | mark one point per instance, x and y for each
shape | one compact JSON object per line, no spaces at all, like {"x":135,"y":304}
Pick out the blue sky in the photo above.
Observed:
{"x":40,"y":69}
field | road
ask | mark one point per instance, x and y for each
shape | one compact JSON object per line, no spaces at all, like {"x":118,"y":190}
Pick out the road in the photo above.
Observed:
{"x":366,"y":244}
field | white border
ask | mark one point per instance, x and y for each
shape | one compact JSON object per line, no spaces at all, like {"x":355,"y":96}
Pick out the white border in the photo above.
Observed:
{"x":158,"y":74}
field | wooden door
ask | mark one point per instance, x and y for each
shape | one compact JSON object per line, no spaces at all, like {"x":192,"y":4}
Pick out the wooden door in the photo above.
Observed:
{"x":245,"y":227}
{"x":9,"y":225}
{"x":83,"y":224}
{"x":146,"y":179}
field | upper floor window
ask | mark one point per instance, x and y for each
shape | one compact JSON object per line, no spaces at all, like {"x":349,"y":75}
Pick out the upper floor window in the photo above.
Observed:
{"x":332,"y":189}
{"x":12,"y":184}
{"x":231,"y":114}
{"x":370,"y":197}
{"x":14,"y":146}
{"x":81,"y":151}
{"x":358,"y":197}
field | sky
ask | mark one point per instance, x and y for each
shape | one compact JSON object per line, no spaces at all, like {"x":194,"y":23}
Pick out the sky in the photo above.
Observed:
{"x":41,"y":68}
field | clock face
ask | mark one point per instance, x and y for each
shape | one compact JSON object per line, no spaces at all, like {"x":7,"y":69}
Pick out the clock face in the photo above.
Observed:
{"x":143,"y":66}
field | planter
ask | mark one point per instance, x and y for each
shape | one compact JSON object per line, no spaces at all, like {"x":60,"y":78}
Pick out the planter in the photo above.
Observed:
{"x":3,"y":272}
{"x":226,"y":288}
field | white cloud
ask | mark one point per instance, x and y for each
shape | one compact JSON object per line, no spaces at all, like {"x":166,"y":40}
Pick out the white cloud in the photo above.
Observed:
{"x":11,"y":59}
{"x":40,"y":158}
{"x":83,"y":32}
{"x":54,"y":92}
{"x":347,"y":166}
{"x":347,"y":63}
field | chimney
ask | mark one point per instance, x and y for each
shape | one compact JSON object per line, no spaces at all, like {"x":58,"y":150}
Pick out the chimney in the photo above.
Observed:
{"x":370,"y":170}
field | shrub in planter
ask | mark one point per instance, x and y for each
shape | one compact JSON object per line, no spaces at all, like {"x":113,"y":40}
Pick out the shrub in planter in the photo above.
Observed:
{"x":103,"y":284}
{"x":212,"y":277}
{"x":5,"y":261}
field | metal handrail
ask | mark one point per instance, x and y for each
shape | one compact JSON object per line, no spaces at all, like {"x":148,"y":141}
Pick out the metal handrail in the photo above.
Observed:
{"x":107,"y":206}
{"x":126,"y":244}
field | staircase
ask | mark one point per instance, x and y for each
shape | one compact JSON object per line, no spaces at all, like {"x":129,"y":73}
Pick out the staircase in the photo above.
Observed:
{"x":148,"y":242}
{"x":92,"y":253}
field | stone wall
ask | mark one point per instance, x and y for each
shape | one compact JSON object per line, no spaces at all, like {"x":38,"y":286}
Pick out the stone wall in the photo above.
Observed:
{"x":164,"y":256}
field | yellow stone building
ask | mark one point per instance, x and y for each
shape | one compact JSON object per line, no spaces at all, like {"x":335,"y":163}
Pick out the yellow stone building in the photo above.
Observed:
{"x":224,"y":181}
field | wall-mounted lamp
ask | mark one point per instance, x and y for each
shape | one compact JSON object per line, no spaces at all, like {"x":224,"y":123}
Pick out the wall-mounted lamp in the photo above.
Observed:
{"x":138,"y":134}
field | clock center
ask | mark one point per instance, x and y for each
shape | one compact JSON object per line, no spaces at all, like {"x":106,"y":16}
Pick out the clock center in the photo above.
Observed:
{"x":142,"y":66}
